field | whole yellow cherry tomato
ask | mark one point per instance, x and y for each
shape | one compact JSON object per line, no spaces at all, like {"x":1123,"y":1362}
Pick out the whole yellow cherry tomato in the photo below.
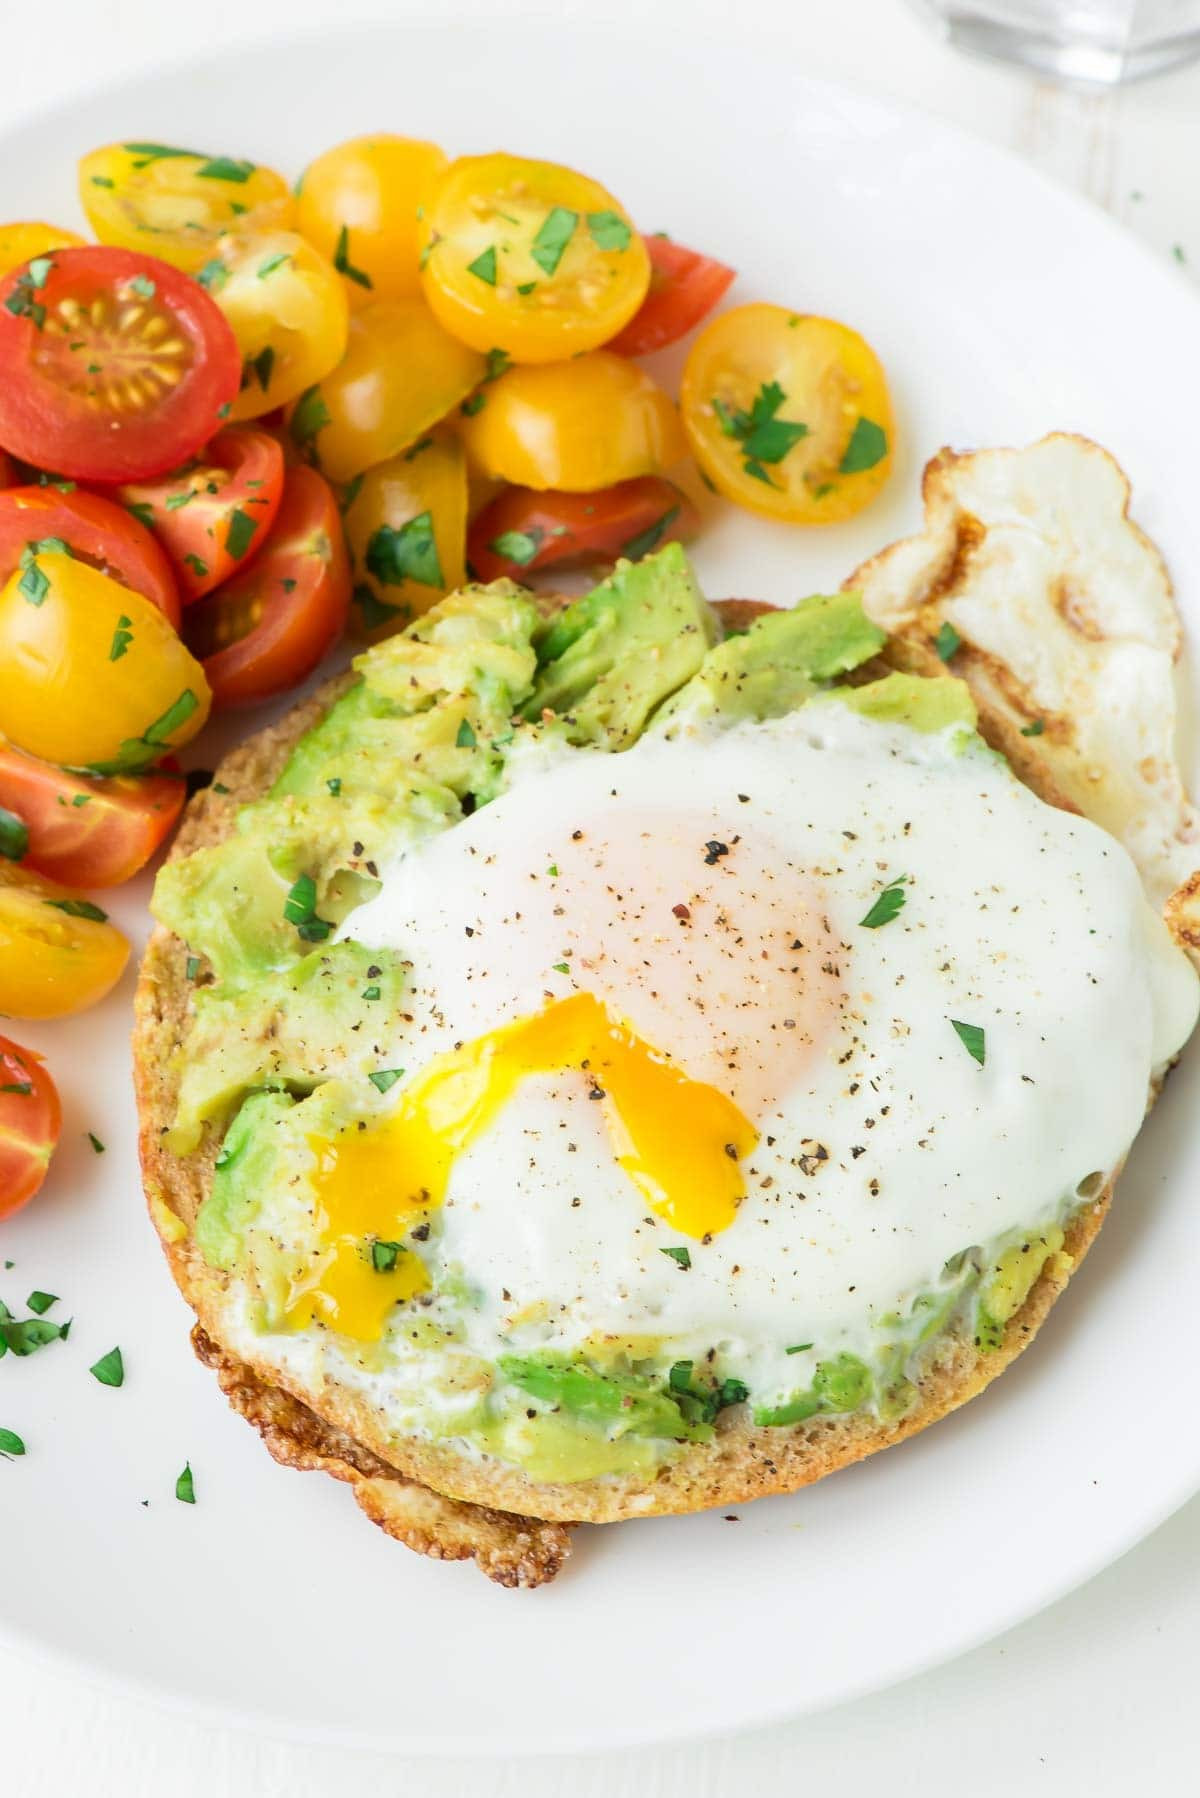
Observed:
{"x":577,"y":425}
{"x":58,"y":952}
{"x":406,"y":525}
{"x":288,"y":310}
{"x":22,"y":242}
{"x":175,"y":203}
{"x":94,"y":676}
{"x":401,"y":373}
{"x":359,"y":203}
{"x":788,"y":414}
{"x":530,"y":258}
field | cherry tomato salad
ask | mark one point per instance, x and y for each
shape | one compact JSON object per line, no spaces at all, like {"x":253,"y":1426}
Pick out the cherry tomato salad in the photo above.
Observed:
{"x":250,"y":413}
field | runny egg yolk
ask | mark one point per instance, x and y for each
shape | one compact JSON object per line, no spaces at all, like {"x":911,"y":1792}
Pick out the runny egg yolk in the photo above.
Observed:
{"x":680,"y":1141}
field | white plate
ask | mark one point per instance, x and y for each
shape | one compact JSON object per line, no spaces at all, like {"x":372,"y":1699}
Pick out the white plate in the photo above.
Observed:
{"x":1002,"y":307}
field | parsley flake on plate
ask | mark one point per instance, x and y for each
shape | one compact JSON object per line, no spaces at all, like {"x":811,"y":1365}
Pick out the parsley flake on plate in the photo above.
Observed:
{"x":109,"y":1369}
{"x":973,"y":1039}
{"x":889,"y":903}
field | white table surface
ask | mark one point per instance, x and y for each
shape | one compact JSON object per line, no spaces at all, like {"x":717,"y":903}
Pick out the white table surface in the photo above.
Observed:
{"x":1097,"y":1695}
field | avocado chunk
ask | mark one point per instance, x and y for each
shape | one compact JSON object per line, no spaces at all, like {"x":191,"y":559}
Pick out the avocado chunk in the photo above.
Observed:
{"x":319,"y":1020}
{"x":778,"y":663}
{"x":611,"y":657}
{"x":241,"y":1176}
{"x":923,"y":703}
{"x":843,"y":1384}
{"x":619,"y":1403}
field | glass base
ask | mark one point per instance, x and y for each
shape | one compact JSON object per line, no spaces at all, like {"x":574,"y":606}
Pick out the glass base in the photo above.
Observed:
{"x":1076,"y":62}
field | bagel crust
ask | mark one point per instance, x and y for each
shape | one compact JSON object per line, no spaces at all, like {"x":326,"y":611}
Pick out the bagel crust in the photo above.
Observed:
{"x":444,"y":1500}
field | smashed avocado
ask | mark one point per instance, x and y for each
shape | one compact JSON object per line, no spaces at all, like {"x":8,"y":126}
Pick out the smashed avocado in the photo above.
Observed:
{"x":287,"y":1021}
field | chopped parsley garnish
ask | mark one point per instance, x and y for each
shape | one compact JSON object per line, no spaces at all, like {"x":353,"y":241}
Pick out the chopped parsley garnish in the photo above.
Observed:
{"x":888,"y":904}
{"x":947,"y":642}
{"x":122,"y":638}
{"x":644,"y":541}
{"x":258,"y":368}
{"x":372,"y":992}
{"x":466,"y":735}
{"x":552,"y":871}
{"x":80,"y":908}
{"x":19,"y":1089}
{"x":102,"y":181}
{"x":14,"y":835}
{"x":41,"y":1302}
{"x":484,"y":266}
{"x":558,"y":228}
{"x":408,"y":553}
{"x":81,"y":799}
{"x":97,"y":1145}
{"x":561,"y":967}
{"x":300,"y":909}
{"x":25,"y":1335}
{"x":142,"y":510}
{"x":765,"y":438}
{"x":519,"y":546}
{"x":679,"y":1254}
{"x":384,"y":1256}
{"x":224,"y":168}
{"x":272,"y":263}
{"x":137,"y":753}
{"x":473,"y":404}
{"x":972,"y":1038}
{"x":1035,"y":729}
{"x":109,"y":1369}
{"x":213,"y":275}
{"x":191,"y":967}
{"x":240,"y":533}
{"x":310,"y":416}
{"x":10,"y":1443}
{"x":334,"y":784}
{"x":350,"y":493}
{"x":383,"y":1078}
{"x":609,"y":230}
{"x":175,"y":502}
{"x":156,"y":152}
{"x":33,"y":583}
{"x":343,"y":264}
{"x":20,"y":301}
{"x":497,"y":361}
{"x":797,"y":1348}
{"x":701,"y":1403}
{"x":197,"y":564}
{"x":143,"y":286}
{"x":868,"y":445}
{"x":185,"y":1486}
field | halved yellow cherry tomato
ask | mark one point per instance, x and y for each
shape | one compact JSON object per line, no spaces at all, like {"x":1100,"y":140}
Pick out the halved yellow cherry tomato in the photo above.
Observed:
{"x":406,"y":525}
{"x":401,"y":373}
{"x":287,"y":306}
{"x":58,"y":952}
{"x":530,"y":257}
{"x":22,"y":242}
{"x":176,"y":203}
{"x":788,"y":414}
{"x":359,"y":205}
{"x":577,"y":425}
{"x":94,"y":676}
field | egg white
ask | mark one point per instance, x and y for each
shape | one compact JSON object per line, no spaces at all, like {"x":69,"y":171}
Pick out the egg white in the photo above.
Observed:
{"x":885,"y":1147}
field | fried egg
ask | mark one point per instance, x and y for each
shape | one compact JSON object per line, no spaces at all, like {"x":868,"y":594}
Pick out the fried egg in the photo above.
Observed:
{"x":675,"y":1065}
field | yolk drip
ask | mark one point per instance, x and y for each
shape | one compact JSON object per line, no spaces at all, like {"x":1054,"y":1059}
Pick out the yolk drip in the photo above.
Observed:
{"x":680,"y":1141}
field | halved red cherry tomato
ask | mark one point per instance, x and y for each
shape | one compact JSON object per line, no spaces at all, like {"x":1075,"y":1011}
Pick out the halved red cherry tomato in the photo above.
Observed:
{"x":113,"y":365}
{"x":95,"y":530}
{"x":86,"y":833}
{"x":30,"y":1122}
{"x":684,"y":288}
{"x":523,"y":531}
{"x":267,"y":628}
{"x":215,"y":513}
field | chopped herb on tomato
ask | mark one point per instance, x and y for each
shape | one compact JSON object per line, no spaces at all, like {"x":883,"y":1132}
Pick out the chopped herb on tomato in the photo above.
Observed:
{"x":343,"y":264}
{"x":557,"y":230}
